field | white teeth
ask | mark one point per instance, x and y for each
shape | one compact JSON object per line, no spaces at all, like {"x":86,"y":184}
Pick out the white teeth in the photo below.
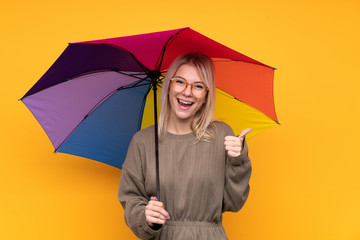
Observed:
{"x":183,"y":102}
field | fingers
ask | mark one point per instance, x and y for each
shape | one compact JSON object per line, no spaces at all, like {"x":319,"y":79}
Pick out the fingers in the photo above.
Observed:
{"x":152,"y":220}
{"x":155,"y":212}
{"x":158,"y":212}
{"x":232,"y":142}
{"x":233,"y":145}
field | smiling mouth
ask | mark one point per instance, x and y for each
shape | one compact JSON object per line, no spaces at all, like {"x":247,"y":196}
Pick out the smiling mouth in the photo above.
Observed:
{"x":185,"y":103}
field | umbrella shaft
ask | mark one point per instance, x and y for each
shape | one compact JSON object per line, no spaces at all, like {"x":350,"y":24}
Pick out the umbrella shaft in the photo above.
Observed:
{"x":156,"y":144}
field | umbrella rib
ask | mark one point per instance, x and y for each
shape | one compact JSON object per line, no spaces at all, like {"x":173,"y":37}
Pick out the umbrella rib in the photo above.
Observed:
{"x":110,"y":94}
{"x":144,"y":68}
{"x":92,"y":72}
{"x":134,"y":86}
{"x":140,"y":64}
{"x":134,"y":75}
{"x":105,"y":70}
{"x":161,"y":57}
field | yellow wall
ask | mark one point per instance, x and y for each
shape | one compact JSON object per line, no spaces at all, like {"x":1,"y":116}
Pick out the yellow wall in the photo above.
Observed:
{"x":305,"y":182}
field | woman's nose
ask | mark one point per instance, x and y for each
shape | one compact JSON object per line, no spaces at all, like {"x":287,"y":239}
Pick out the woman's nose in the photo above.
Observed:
{"x":188,"y":90}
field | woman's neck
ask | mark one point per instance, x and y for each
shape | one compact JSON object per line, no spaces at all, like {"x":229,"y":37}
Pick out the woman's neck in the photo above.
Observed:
{"x":177,"y":126}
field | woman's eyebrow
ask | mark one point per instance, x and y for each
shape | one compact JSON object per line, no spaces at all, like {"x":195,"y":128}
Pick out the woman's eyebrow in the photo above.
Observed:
{"x":186,"y":80}
{"x":180,"y":77}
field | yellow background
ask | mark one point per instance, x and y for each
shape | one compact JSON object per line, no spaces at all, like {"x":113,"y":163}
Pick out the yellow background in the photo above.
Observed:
{"x":305,"y":182}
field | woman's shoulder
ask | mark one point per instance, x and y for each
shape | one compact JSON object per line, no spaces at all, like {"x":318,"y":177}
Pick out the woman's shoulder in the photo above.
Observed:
{"x":222,"y":129}
{"x":221,"y":125}
{"x":144,"y":134}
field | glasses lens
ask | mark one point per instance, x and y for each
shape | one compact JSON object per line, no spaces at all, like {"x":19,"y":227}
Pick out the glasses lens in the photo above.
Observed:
{"x":199,"y":87}
{"x":179,"y":84}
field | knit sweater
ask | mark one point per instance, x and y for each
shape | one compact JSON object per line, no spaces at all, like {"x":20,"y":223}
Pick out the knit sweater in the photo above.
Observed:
{"x":198,"y":182}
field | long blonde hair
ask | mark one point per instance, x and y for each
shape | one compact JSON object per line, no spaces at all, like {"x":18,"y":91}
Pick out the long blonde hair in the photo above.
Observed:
{"x":204,"y":117}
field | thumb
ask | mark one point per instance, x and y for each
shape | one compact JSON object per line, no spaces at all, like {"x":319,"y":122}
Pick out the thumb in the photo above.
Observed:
{"x":244,"y":132}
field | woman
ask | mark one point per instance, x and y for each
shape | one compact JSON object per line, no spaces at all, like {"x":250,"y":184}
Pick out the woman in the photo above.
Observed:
{"x":204,"y":168}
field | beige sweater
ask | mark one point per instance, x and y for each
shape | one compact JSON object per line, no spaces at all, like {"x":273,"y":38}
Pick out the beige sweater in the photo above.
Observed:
{"x":198,"y":182}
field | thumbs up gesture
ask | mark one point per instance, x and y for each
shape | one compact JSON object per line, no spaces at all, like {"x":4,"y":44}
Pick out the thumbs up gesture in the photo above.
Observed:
{"x":234,"y":144}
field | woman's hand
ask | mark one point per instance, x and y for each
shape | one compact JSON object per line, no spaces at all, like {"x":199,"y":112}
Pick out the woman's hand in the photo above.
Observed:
{"x":155,"y":212}
{"x":234,"y":144}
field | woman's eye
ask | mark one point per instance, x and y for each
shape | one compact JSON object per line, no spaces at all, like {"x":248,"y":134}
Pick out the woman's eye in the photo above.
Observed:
{"x":180,"y":82}
{"x":199,"y":86}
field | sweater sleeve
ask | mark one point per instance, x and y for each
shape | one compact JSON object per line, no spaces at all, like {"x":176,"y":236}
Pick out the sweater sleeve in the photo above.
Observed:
{"x":132,"y":194}
{"x":238,"y":172}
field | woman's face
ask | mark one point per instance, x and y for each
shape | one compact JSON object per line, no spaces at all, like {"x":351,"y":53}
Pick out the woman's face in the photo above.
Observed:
{"x":184,"y":104}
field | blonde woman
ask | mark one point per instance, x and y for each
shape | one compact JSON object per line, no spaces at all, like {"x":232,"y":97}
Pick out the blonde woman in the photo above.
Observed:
{"x":204,"y":168}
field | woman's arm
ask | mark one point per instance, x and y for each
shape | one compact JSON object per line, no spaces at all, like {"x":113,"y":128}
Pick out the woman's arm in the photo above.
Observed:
{"x":237,"y":176}
{"x":238,"y":172}
{"x":132,"y":194}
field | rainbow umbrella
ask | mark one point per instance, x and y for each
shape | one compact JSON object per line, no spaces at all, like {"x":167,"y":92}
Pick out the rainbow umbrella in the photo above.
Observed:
{"x":97,"y":94}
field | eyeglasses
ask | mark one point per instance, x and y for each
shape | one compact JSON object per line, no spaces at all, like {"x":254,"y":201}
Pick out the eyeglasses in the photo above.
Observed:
{"x":197,"y":89}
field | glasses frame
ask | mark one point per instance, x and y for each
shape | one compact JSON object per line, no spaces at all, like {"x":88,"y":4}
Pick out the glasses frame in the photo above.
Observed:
{"x":191,"y":85}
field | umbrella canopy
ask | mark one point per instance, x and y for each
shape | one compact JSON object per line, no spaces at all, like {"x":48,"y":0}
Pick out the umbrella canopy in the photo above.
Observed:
{"x":97,"y":94}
